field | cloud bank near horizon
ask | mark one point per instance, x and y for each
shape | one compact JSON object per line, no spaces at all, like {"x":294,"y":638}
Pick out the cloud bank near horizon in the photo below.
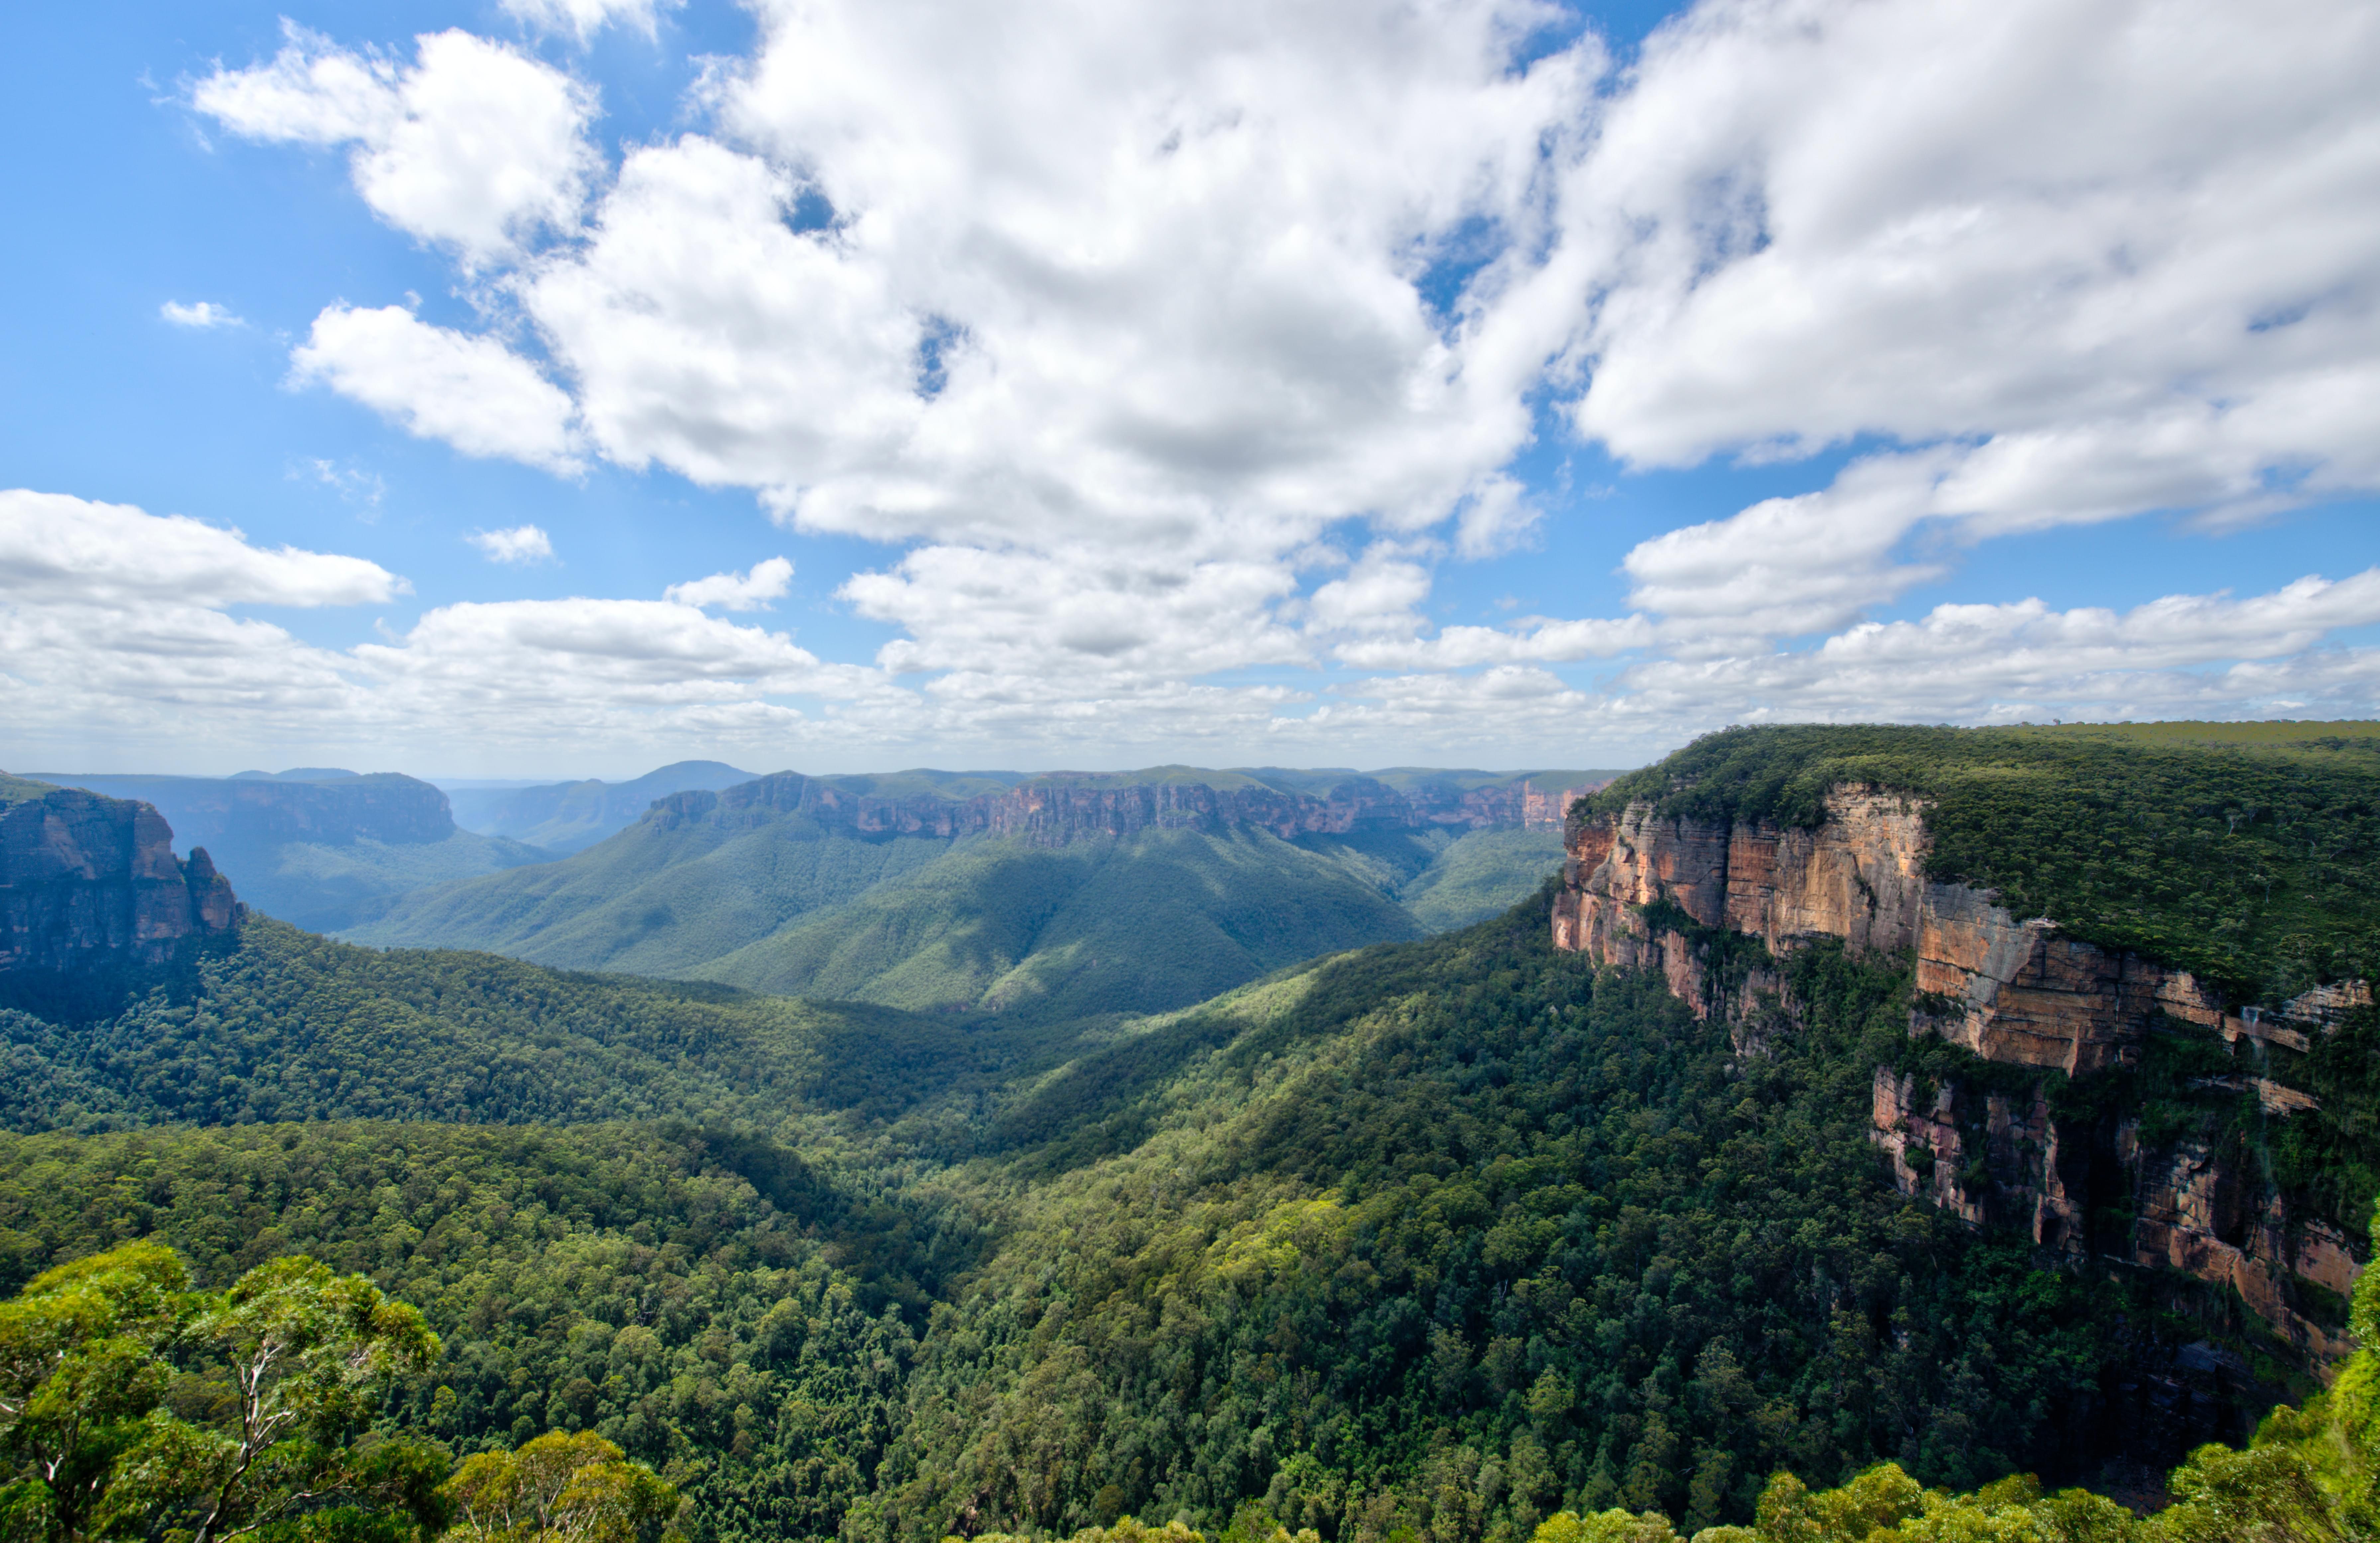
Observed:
{"x":1173,"y":357}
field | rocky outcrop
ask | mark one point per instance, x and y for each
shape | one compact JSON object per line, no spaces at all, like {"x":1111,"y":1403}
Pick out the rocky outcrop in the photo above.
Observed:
{"x":1644,"y":891}
{"x":254,"y":814}
{"x":1053,"y":812}
{"x":92,"y":900}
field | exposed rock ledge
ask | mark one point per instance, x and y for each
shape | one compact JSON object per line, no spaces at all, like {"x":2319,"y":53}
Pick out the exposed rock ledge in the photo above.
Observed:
{"x":91,"y":896}
{"x":2012,"y":990}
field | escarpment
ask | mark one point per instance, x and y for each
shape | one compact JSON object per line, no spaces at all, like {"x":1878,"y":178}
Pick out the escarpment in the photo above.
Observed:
{"x":1676,"y":895}
{"x":1056,"y":810}
{"x":92,"y":900}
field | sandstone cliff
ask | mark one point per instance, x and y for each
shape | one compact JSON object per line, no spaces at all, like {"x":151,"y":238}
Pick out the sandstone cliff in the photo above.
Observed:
{"x":224,"y":813}
{"x":1052,"y":812}
{"x":92,"y":900}
{"x":1644,"y":891}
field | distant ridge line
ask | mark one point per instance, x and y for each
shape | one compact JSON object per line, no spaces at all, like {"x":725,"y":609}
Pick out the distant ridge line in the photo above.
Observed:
{"x":1054,"y":811}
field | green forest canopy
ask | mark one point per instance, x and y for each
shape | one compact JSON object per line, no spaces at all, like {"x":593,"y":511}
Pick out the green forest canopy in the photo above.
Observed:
{"x":1455,"y":1238}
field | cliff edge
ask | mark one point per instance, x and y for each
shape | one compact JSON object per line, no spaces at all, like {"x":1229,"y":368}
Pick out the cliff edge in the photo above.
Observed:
{"x":94,"y":902}
{"x":1643,"y":890}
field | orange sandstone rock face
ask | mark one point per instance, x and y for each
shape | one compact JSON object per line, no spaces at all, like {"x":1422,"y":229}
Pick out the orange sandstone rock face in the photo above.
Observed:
{"x":2012,"y":990}
{"x":2015,"y":991}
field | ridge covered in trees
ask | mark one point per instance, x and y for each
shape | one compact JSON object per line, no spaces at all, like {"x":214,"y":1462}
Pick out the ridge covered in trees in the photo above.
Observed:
{"x":1453,"y":1241}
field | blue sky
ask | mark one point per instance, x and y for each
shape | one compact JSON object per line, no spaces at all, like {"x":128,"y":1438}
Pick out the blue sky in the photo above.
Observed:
{"x":1296,"y":612}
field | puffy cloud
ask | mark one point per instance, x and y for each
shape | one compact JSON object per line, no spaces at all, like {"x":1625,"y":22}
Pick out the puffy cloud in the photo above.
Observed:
{"x":468,"y":390}
{"x":56,"y":550}
{"x":520,"y":543}
{"x":1380,"y":594}
{"x":1114,"y":321}
{"x":750,"y":590}
{"x":1791,"y":565}
{"x":476,"y":146}
{"x":539,"y":657}
{"x":1459,"y":648}
{"x":203,"y":315}
{"x":1088,"y":622}
{"x":112,"y":620}
{"x":114,"y":628}
{"x":2111,"y":257}
{"x":1985,"y":662}
{"x":584,"y":19}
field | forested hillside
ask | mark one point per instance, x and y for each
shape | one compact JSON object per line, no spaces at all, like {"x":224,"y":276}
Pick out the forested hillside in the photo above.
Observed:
{"x":905,"y":890}
{"x":1441,"y":1240}
{"x":1445,"y":1235}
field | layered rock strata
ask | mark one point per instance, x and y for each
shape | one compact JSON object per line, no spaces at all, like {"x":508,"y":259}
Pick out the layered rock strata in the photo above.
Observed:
{"x":1054,"y":811}
{"x":1644,"y":891}
{"x":93,"y":898}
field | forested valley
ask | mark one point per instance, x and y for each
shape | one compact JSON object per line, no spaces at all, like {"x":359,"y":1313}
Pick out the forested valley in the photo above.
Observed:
{"x":1461,"y":1240}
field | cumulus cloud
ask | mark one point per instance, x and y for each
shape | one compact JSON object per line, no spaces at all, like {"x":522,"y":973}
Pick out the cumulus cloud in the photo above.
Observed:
{"x":202,"y":315}
{"x":2109,"y":258}
{"x":115,"y":620}
{"x":2001,"y":662}
{"x":1044,"y":623}
{"x":56,"y":548}
{"x":584,"y":19}
{"x":1126,"y":326}
{"x":517,"y":544}
{"x":475,"y":146}
{"x":750,"y":590}
{"x":116,"y":627}
{"x":464,"y":388}
{"x":1460,"y":647}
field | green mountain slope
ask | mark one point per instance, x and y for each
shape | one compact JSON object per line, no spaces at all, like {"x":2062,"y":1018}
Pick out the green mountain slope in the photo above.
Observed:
{"x":1429,"y":1241}
{"x":1142,"y":924}
{"x":779,"y":886}
{"x":656,"y":899}
{"x":292,"y":1027}
{"x":1441,"y":1236}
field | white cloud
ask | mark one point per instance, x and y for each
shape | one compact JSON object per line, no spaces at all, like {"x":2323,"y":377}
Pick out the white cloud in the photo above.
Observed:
{"x":56,"y":549}
{"x":468,"y":390}
{"x":113,"y":620}
{"x":2179,"y":656}
{"x":1791,"y":565}
{"x":1497,"y":516}
{"x":202,"y":315}
{"x":1460,"y":647}
{"x":1118,"y":332}
{"x":1381,"y":595}
{"x":1088,"y":620}
{"x":114,"y":630}
{"x":476,"y":146}
{"x":752,"y":590}
{"x":584,"y":19}
{"x":517,"y":544}
{"x":2109,"y":257}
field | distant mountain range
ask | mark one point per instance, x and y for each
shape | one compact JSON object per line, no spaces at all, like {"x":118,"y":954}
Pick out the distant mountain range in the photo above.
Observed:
{"x":317,"y":846}
{"x":564,"y":817}
{"x":1066,"y":894}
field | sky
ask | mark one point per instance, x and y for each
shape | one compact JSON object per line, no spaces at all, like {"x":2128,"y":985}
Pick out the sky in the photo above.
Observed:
{"x":520,"y":388}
